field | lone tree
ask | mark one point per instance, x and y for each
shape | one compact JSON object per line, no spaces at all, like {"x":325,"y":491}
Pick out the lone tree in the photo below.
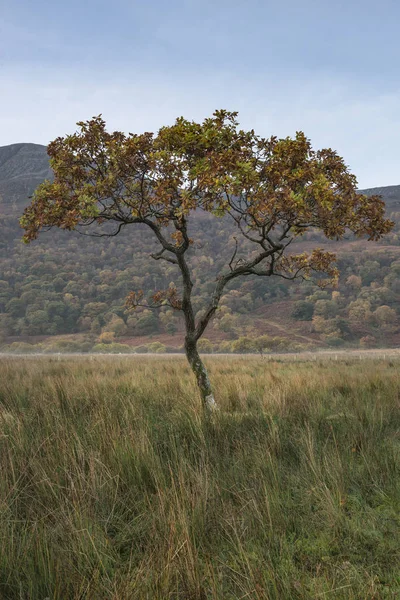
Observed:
{"x":274,"y":190}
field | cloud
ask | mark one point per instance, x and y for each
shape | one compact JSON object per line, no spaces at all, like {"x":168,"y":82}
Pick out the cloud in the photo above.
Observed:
{"x":361,"y":124}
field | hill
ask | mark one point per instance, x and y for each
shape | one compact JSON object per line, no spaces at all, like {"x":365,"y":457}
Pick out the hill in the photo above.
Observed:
{"x":66,"y":287}
{"x":22,"y":168}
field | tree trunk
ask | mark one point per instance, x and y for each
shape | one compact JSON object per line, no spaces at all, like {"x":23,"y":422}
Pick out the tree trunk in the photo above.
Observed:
{"x":202,"y":379}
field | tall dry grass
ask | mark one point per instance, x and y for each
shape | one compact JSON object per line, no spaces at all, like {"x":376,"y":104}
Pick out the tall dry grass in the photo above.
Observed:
{"x":114,"y":487}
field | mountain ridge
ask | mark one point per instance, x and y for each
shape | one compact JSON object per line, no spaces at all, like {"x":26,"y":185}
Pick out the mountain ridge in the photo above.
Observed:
{"x":23,"y":167}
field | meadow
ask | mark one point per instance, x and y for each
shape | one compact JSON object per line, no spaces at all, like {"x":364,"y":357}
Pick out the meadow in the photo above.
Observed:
{"x":114,"y":486}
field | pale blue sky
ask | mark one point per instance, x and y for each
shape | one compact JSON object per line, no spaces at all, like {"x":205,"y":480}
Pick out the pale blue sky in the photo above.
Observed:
{"x":329,"y":68}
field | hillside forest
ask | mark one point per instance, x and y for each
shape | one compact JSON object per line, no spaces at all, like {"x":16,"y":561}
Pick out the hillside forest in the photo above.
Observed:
{"x":66,"y":292}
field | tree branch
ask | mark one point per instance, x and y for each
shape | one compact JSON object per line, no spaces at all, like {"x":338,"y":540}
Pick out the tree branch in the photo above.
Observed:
{"x":100,"y":235}
{"x":160,"y":256}
{"x":157,"y":230}
{"x":234,"y":254}
{"x":245,"y":269}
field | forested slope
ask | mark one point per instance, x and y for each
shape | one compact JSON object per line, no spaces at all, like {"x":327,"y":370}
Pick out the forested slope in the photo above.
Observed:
{"x":68,"y":284}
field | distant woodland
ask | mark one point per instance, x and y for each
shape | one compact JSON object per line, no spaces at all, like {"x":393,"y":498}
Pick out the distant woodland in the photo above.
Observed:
{"x":67,"y":291}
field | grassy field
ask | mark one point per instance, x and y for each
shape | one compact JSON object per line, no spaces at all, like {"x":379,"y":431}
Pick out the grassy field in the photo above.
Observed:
{"x":114,"y":487}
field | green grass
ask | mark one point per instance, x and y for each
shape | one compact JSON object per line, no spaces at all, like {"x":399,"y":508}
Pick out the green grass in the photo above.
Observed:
{"x":112,"y":485}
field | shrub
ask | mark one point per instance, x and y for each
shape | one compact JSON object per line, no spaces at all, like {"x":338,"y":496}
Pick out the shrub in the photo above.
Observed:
{"x":116,"y":325}
{"x":68,"y":346}
{"x":385,"y":316}
{"x":114,"y":348}
{"x":326,"y":308}
{"x":244,"y":345}
{"x":107,"y":337}
{"x":205,"y":345}
{"x":368,"y":341}
{"x":140,"y":349}
{"x":225,"y":347}
{"x":157,"y":347}
{"x":333,"y":340}
{"x":22,"y":348}
{"x":303,"y":310}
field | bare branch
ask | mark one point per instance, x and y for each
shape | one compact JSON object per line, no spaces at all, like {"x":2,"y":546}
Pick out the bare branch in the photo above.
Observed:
{"x":245,"y":269}
{"x":234,"y":254}
{"x":157,"y":230}
{"x":100,"y":235}
{"x":160,"y":256}
{"x":291,"y":277}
